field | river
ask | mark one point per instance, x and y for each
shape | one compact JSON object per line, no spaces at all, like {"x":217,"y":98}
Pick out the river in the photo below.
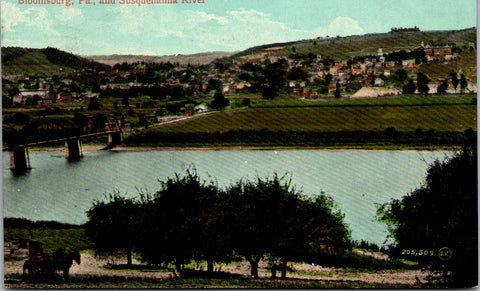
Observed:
{"x":357,"y":179}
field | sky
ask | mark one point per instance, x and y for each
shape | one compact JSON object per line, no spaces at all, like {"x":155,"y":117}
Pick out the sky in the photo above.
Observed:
{"x":215,"y":25}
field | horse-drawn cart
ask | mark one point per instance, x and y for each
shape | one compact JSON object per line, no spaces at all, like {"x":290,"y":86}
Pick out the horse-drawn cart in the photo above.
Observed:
{"x":41,"y":266}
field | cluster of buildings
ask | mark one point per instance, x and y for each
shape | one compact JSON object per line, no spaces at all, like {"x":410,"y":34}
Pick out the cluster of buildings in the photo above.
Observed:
{"x":372,"y":76}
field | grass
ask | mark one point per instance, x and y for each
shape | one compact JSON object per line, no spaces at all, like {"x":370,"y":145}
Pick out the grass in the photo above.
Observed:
{"x":333,"y":119}
{"x":52,"y":239}
{"x":290,"y":100}
{"x":117,"y":282}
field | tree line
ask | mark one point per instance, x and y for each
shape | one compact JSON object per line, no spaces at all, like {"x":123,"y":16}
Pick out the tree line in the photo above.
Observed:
{"x":190,"y":219}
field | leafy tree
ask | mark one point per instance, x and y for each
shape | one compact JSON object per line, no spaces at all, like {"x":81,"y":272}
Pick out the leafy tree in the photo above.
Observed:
{"x":442,"y":89}
{"x":297,"y":74}
{"x":215,"y":84}
{"x":271,"y":217}
{"x":276,"y":76}
{"x":99,"y":120}
{"x":261,"y":209}
{"x":463,"y":83}
{"x":312,"y":226}
{"x":114,"y":224}
{"x":439,"y":215}
{"x":125,"y":101}
{"x":79,"y":121}
{"x":142,"y":120}
{"x":401,"y":75}
{"x":328,"y":78}
{"x":268,"y":92}
{"x":422,"y":83}
{"x":182,"y":222}
{"x":246,"y":102}
{"x":454,"y":77}
{"x":21,"y":118}
{"x":7,"y":100}
{"x":94,"y":104}
{"x":337,"y":91}
{"x":219,"y":101}
{"x":409,"y":88}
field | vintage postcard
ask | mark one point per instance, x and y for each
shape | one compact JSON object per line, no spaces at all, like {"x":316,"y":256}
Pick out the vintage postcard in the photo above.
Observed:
{"x":239,"y":144}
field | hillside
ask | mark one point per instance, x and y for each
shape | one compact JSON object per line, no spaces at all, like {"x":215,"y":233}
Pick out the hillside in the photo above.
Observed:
{"x":361,"y":45}
{"x":43,"y":62}
{"x":194,"y":59}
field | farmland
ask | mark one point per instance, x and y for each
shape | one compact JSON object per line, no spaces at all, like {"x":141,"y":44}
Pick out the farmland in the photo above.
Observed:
{"x":349,"y":123}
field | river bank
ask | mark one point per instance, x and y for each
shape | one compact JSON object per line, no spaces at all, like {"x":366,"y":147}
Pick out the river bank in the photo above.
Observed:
{"x":90,"y":148}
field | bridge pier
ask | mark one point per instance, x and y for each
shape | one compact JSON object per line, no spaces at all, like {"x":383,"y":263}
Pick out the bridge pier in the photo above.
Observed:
{"x":73,"y":150}
{"x":19,"y":160}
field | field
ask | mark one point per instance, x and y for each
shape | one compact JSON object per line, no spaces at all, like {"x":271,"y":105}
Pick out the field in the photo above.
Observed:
{"x":404,"y":122}
{"x":332,"y":119}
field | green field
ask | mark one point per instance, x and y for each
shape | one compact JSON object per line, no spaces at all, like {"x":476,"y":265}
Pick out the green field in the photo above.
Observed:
{"x":408,"y":113}
{"x":52,"y":239}
{"x":332,"y":119}
{"x":413,"y":122}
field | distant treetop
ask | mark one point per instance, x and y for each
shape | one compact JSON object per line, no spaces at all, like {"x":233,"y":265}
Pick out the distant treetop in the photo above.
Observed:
{"x":395,"y":29}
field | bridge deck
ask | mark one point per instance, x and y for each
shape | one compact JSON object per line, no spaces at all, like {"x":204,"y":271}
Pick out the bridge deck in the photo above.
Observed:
{"x":63,"y":139}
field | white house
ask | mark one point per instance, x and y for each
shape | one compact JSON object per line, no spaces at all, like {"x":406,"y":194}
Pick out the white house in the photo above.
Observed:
{"x":202,"y":108}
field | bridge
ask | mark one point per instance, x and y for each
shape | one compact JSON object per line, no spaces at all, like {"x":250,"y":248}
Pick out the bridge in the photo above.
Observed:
{"x":19,"y":157}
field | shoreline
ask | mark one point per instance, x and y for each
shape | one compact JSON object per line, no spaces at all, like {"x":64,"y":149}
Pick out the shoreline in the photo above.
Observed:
{"x":96,"y":148}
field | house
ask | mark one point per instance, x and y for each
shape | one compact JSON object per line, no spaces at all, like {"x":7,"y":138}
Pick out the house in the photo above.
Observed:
{"x":438,"y":54}
{"x":408,"y":63}
{"x":26,"y":93}
{"x":202,"y":108}
{"x":332,"y":88}
{"x":379,"y":82}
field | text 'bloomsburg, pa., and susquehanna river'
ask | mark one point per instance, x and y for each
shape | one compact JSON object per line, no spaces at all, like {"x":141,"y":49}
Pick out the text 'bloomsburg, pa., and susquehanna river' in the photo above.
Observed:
{"x":108,"y":2}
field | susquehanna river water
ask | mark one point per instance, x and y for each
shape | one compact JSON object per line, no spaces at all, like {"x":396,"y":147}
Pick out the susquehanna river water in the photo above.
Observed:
{"x":357,"y":179}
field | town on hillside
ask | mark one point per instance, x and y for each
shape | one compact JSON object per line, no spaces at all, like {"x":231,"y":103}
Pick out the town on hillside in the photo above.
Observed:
{"x":170,"y":90}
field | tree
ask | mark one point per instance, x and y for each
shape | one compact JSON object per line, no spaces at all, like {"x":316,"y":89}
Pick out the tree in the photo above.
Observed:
{"x":312,"y":226}
{"x":409,"y":88}
{"x":99,"y":120}
{"x":328,"y":78}
{"x":79,"y":121}
{"x":114,"y":224}
{"x":463,"y":83}
{"x":183,"y":221}
{"x":401,"y":75}
{"x":454,"y":77}
{"x":215,"y":84}
{"x":276,"y":76}
{"x":94,"y":104}
{"x":296,"y":73}
{"x":261,"y":209}
{"x":442,"y":89}
{"x":422,"y":83}
{"x":271,"y":217}
{"x":125,"y":102}
{"x":337,"y":91}
{"x":219,"y":101}
{"x":440,"y":218}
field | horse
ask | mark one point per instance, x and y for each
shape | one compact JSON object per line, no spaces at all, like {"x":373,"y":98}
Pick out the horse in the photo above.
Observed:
{"x":63,"y":261}
{"x":36,"y":267}
{"x":44,"y":266}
